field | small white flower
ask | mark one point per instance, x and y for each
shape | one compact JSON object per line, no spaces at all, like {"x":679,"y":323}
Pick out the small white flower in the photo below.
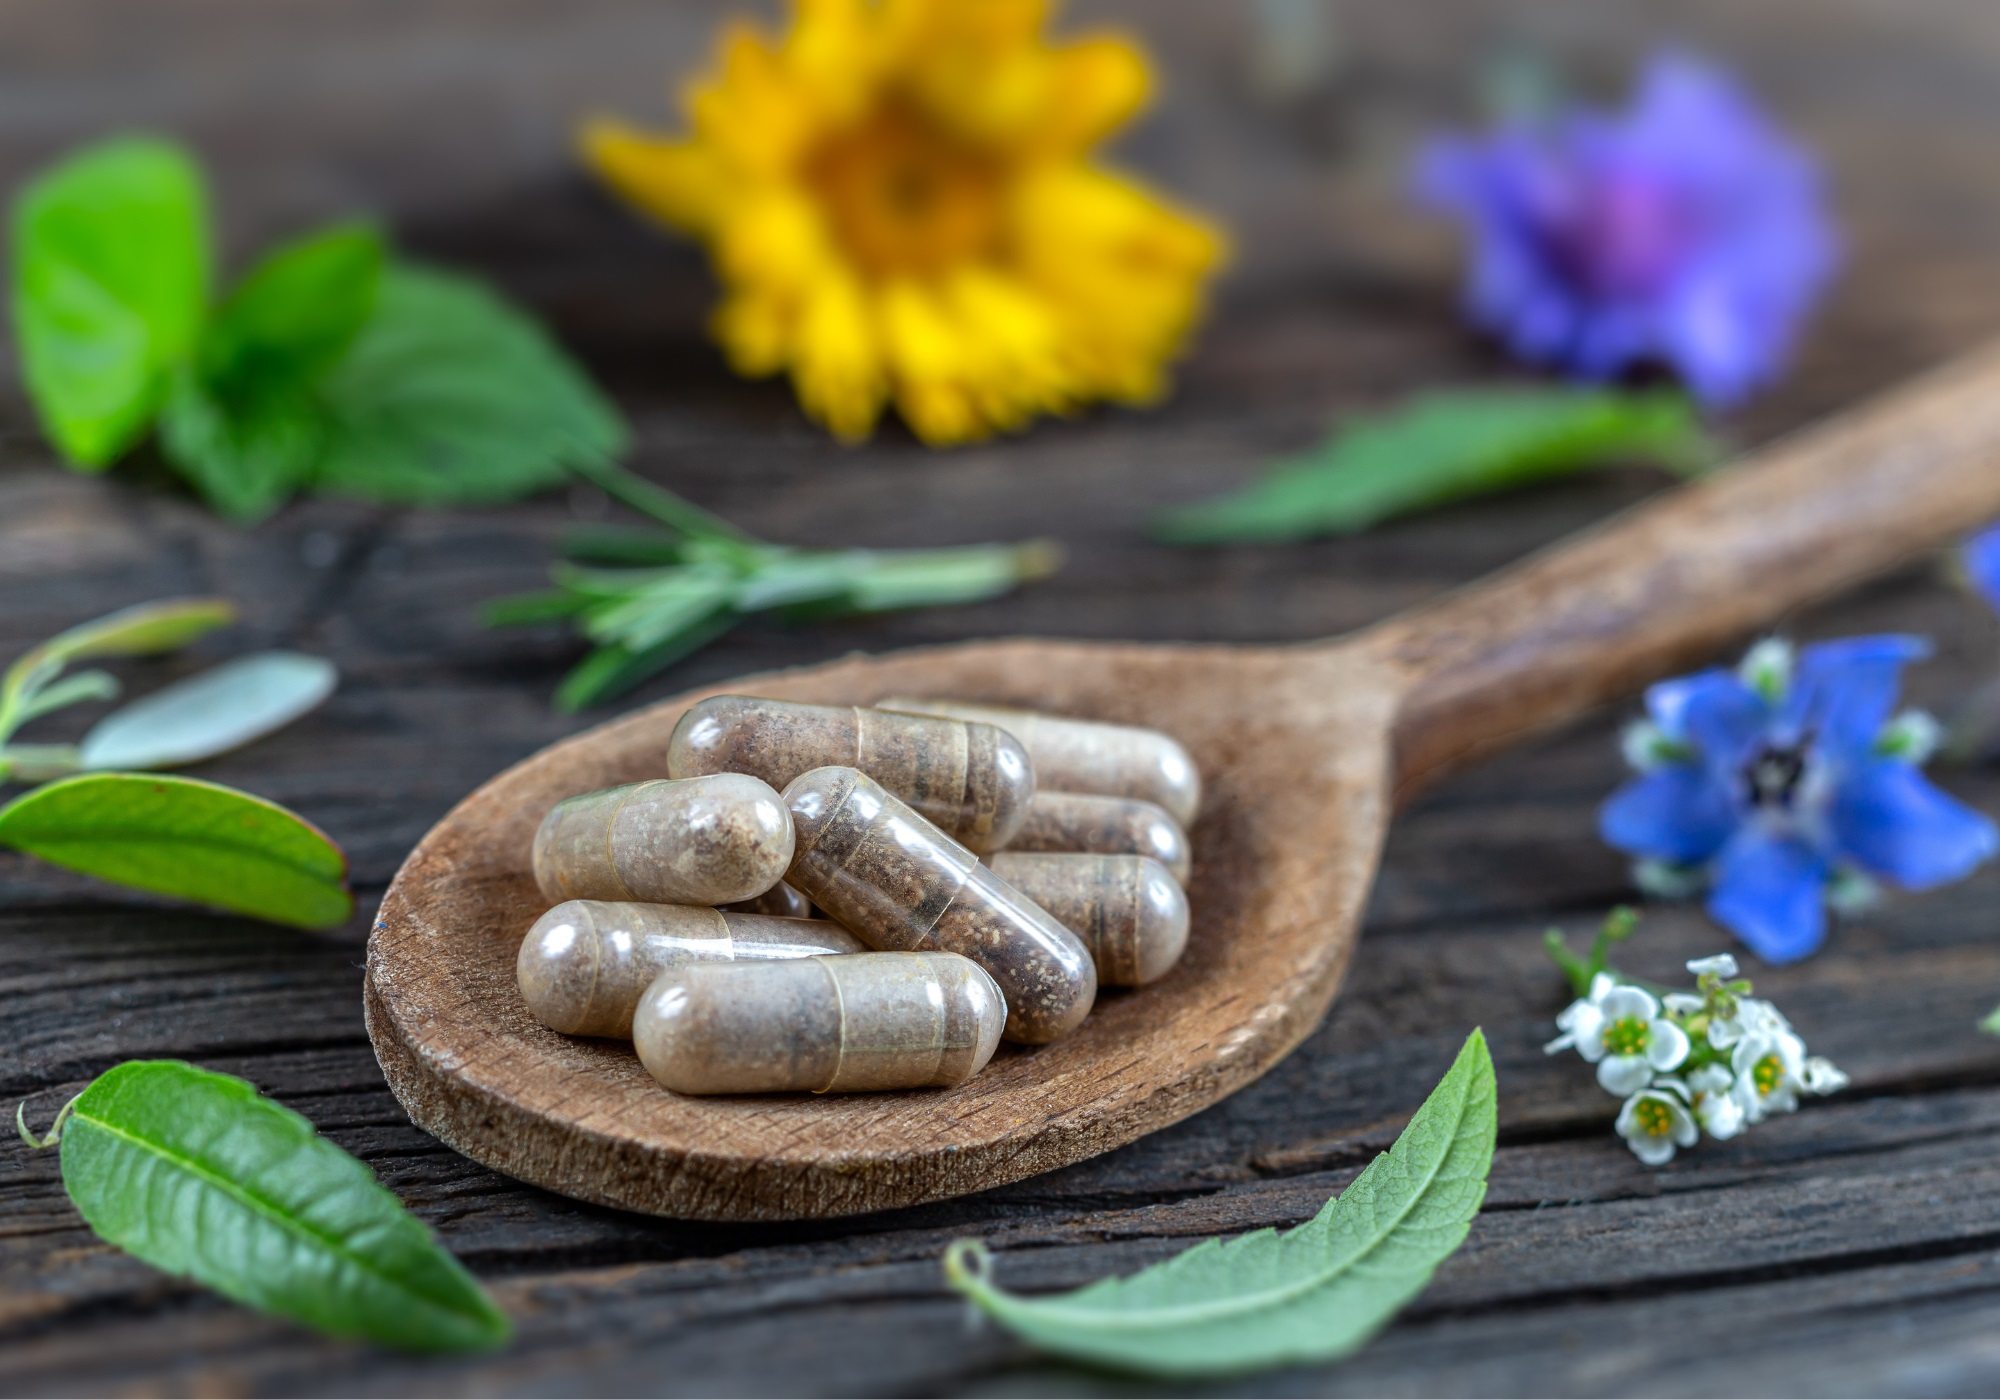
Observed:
{"x":1754,"y":1016}
{"x":1769,"y":1069}
{"x":1722,"y":965}
{"x":1582,"y":1019}
{"x":1632,"y":1043}
{"x":1683,"y":1003}
{"x":1912,"y":736}
{"x":1715,"y":1108}
{"x":1821,"y":1076}
{"x":1647,"y":746}
{"x":1654,"y":1122}
{"x":1767,"y":668}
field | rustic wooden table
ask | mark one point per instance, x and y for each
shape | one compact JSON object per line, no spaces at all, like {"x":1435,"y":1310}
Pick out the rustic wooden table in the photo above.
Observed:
{"x":1854,"y":1247}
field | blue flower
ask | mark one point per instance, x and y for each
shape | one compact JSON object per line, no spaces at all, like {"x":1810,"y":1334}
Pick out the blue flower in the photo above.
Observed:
{"x":1687,"y":232}
{"x":1982,"y":564}
{"x":1782,"y":783}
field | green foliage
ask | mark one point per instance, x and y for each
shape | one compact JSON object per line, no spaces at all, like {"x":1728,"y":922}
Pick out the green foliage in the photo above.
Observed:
{"x":110,"y":286}
{"x":690,"y":581}
{"x":1619,"y":925}
{"x":197,"y":1174}
{"x":211,"y":713}
{"x":1312,"y":1294}
{"x":1442,"y":447}
{"x":188,"y":839}
{"x":329,"y":368}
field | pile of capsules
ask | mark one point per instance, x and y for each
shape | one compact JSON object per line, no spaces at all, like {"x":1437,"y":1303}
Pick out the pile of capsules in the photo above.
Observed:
{"x":687,"y":915}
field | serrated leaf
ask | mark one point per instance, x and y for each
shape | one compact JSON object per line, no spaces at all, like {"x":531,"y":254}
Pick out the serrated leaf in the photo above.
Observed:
{"x":449,"y":396}
{"x":197,"y":1174}
{"x":209,"y":714}
{"x":188,"y":839}
{"x":246,"y":456}
{"x":296,"y":313}
{"x":1443,"y":447}
{"x":110,"y":288}
{"x":1311,"y":1294}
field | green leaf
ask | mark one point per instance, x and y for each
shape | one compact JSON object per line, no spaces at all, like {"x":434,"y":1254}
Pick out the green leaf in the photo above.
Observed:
{"x":221,"y":709}
{"x":189,"y":839}
{"x":296,"y":313}
{"x":1443,"y":447}
{"x":197,"y":1174}
{"x":1990,"y":1022}
{"x":449,"y":396}
{"x":142,"y":630}
{"x":110,"y":288}
{"x":247,"y":456}
{"x":1312,"y":1294}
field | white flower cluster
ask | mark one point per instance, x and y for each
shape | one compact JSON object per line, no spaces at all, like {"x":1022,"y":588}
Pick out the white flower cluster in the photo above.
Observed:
{"x":1712,"y":1061}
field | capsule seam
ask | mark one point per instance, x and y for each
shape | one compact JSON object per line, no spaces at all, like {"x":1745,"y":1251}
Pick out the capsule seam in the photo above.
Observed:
{"x":840,"y":1039}
{"x":610,"y":830}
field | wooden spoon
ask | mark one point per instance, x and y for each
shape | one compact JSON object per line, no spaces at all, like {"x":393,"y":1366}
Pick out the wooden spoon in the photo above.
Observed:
{"x":1303,"y":750}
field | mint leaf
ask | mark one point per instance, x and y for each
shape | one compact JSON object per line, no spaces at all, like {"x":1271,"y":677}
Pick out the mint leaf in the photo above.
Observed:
{"x":1314,"y":1293}
{"x":449,"y":396}
{"x":189,"y":839}
{"x":209,"y":714}
{"x":110,"y":288}
{"x":247,"y":456}
{"x":1443,"y":447}
{"x":295,"y":314}
{"x":197,"y":1174}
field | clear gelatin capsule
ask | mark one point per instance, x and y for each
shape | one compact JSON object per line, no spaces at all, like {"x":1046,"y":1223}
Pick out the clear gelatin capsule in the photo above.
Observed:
{"x":709,"y":840}
{"x":972,"y":781}
{"x":830,"y":1025}
{"x":1083,"y":755}
{"x":1128,"y":910}
{"x":584,"y":963}
{"x":899,"y":883}
{"x":1077,"y":821}
{"x":781,"y":901}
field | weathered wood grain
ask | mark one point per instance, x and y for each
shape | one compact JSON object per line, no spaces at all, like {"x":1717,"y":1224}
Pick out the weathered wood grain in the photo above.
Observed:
{"x":449,"y":118}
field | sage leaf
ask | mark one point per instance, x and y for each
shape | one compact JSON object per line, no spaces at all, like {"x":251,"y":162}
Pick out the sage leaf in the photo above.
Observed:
{"x":212,"y":713}
{"x":197,"y":1174}
{"x":449,"y":396}
{"x":188,"y":839}
{"x":110,"y":290}
{"x":1443,"y":447}
{"x":144,"y":630}
{"x":1311,"y":1294}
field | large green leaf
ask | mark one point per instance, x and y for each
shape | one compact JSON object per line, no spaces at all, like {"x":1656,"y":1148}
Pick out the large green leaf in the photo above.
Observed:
{"x":1443,"y":447}
{"x":110,"y":288}
{"x":296,"y":313}
{"x":246,"y":454}
{"x":183,"y":837}
{"x":198,"y":1175}
{"x":450,"y":396}
{"x":1314,"y":1293}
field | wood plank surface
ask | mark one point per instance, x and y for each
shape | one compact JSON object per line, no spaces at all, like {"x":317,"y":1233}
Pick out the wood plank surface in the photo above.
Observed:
{"x":1852,"y":1248}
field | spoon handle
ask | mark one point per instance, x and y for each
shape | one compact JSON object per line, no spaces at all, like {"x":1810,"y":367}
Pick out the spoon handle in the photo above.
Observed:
{"x":1669,"y":582}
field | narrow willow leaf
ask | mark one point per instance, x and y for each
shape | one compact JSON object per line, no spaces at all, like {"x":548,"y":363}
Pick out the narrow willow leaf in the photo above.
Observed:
{"x":212,"y":713}
{"x":1445,"y":447}
{"x":189,"y":839}
{"x":613,"y":669}
{"x":78,"y":689}
{"x":198,"y":1175}
{"x":451,"y":396}
{"x":143,"y":630}
{"x":110,"y":289}
{"x":1314,"y":1293}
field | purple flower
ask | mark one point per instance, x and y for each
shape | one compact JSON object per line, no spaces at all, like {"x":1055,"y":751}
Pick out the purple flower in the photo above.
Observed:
{"x":1785,"y":784}
{"x":1688,"y":232}
{"x":1982,"y":564}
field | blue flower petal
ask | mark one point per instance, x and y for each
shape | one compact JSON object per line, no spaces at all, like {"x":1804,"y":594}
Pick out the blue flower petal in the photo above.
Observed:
{"x":1982,"y":562}
{"x":1677,"y":813}
{"x":1724,"y":718}
{"x":1892,"y":822}
{"x":1845,"y":691}
{"x":1769,"y":892}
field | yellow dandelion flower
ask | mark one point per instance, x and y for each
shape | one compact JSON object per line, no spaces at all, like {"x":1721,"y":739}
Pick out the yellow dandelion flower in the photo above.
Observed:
{"x":899,"y":200}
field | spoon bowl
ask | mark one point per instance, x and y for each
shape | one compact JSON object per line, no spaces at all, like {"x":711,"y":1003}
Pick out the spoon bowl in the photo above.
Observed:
{"x":1304,"y":752}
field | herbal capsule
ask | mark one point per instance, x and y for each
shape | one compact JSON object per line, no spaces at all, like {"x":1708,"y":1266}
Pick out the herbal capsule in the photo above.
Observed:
{"x":1082,"y":755}
{"x":584,"y":963}
{"x":971,"y":780}
{"x":711,"y":840}
{"x":781,"y":901}
{"x":873,"y":1021}
{"x":900,"y":883}
{"x":1127,"y":909}
{"x":1078,"y":821}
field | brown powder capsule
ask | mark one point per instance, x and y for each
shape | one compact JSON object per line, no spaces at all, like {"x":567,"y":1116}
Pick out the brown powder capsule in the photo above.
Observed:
{"x":1127,"y":910}
{"x":831,"y":1025}
{"x":899,"y":883}
{"x":1077,"y":821}
{"x":971,"y":780}
{"x":584,"y":963}
{"x":1083,"y":755}
{"x":711,"y":840}
{"x":781,"y":901}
